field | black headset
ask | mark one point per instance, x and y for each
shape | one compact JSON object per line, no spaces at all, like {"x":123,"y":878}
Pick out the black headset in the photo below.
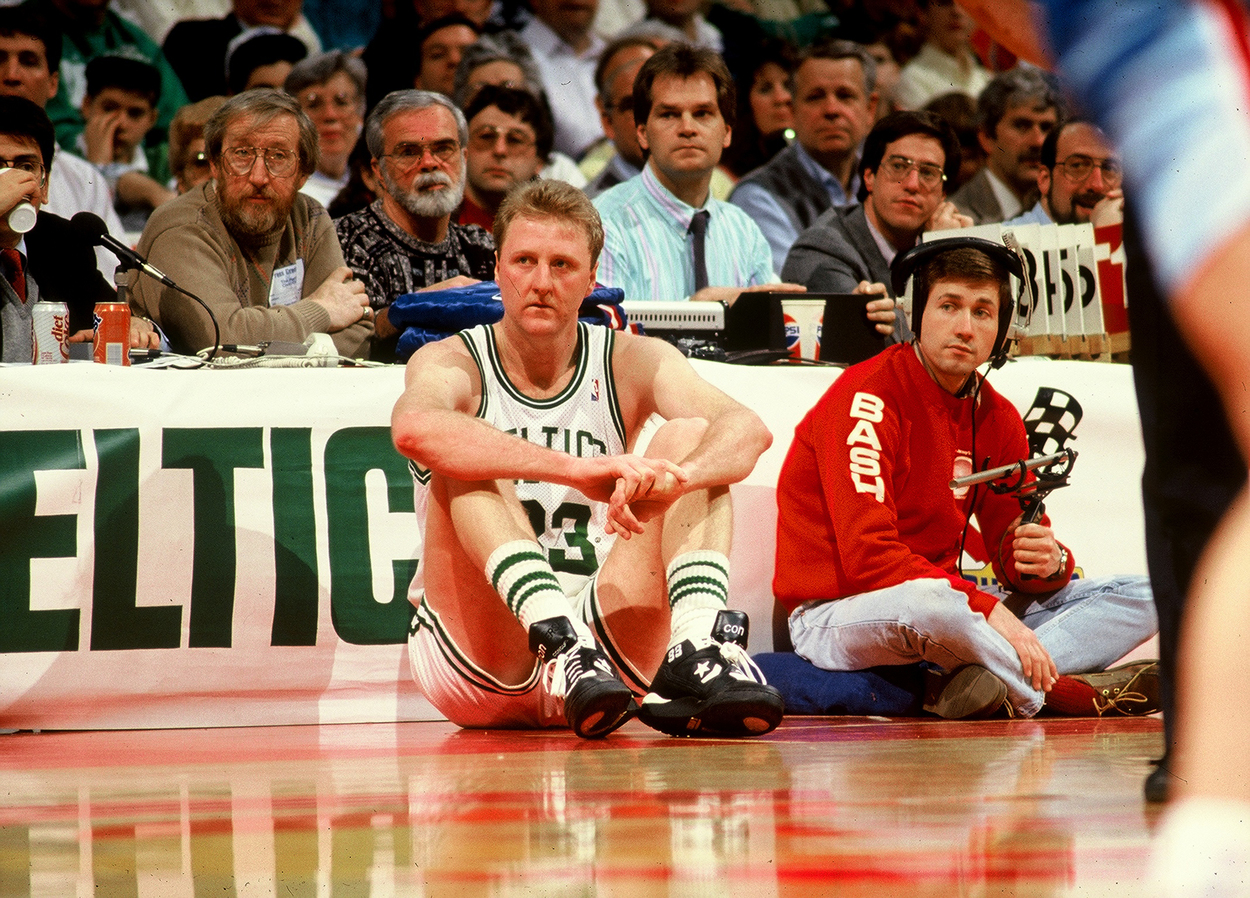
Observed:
{"x":905,"y":266}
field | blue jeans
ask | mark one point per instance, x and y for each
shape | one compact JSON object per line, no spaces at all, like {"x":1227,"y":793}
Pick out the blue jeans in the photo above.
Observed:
{"x":1085,"y":626}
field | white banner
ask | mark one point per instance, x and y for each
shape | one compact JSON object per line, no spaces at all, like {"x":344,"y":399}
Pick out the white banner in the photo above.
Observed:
{"x":219,"y":548}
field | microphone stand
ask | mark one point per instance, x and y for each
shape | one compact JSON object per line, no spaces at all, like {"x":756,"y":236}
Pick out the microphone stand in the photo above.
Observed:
{"x":124,"y":279}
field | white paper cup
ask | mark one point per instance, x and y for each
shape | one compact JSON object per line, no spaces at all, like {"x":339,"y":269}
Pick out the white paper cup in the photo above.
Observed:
{"x":22,"y":216}
{"x":803,"y":320}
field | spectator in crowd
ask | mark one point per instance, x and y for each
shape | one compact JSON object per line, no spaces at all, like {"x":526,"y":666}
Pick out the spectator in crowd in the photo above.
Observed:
{"x":501,"y":59}
{"x":505,"y":60}
{"x":362,"y":186}
{"x":261,"y":255}
{"x":89,"y":28}
{"x":510,"y":137}
{"x":331,"y":90}
{"x":405,"y":241}
{"x":389,"y":56}
{"x":441,"y":45}
{"x":946,"y":60}
{"x":908,"y":156}
{"x":188,"y":158}
{"x":666,"y":237}
{"x":30,"y":52}
{"x":869,"y":525}
{"x":119,"y":109}
{"x":498,"y":641}
{"x":765,"y":118}
{"x":53,"y":261}
{"x":960,"y":112}
{"x":834,"y":102}
{"x":614,"y":83}
{"x":346,"y":25}
{"x":1079,"y":178}
{"x":261,"y":57}
{"x":888,"y":72}
{"x":566,"y":50}
{"x":689,"y":25}
{"x":198,"y":48}
{"x":1015,"y":111}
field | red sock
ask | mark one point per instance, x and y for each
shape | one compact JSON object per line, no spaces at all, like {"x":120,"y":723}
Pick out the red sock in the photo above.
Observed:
{"x":1073,"y":697}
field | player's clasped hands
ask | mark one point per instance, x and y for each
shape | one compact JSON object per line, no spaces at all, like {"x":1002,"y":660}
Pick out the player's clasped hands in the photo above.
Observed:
{"x":640,"y":488}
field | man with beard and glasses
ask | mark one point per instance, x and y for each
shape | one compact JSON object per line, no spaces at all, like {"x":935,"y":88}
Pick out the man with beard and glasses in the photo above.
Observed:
{"x":1079,"y":179}
{"x":261,"y":255}
{"x":405,"y":242}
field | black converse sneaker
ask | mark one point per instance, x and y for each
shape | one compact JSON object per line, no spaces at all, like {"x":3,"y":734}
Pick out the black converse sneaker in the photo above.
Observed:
{"x":715,"y":690}
{"x":595,"y":700}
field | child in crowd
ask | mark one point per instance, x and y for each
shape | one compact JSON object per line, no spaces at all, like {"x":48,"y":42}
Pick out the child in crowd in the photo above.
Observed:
{"x":120,"y":108}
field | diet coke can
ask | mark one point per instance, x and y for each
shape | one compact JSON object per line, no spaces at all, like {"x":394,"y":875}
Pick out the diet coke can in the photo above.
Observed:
{"x":49,"y":331}
{"x":112,"y":333}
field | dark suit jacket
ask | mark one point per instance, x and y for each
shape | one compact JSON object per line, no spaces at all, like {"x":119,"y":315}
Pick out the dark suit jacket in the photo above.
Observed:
{"x":62,"y":262}
{"x":976,"y":198}
{"x":836,"y":253}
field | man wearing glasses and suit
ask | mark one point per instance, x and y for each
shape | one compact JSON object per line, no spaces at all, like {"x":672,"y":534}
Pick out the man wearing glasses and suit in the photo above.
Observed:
{"x":405,"y":242}
{"x":908,"y":159}
{"x":261,"y":255}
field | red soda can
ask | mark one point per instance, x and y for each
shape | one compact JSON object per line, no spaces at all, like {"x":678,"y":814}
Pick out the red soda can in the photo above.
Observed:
{"x":49,"y":331}
{"x":112,"y":333}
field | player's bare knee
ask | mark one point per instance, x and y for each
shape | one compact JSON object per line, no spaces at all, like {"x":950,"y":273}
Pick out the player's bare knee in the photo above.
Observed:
{"x":677,"y":438}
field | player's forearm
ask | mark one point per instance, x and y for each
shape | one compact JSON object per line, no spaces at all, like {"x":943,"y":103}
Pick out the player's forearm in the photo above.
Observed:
{"x":462,"y":447}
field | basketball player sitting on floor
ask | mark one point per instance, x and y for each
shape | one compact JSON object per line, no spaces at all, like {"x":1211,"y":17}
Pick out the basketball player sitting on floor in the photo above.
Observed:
{"x":530,"y":612}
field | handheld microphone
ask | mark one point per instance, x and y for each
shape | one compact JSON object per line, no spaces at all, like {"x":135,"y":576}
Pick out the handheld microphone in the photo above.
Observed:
{"x":93,"y":228}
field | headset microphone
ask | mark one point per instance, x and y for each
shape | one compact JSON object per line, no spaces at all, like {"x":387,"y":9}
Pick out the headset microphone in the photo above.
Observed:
{"x":1010,"y":257}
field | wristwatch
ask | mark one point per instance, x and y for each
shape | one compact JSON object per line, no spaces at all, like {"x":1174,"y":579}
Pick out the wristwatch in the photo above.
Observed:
{"x":1063,"y":562}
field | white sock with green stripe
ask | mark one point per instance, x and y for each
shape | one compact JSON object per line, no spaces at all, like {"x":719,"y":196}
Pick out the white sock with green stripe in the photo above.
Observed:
{"x":698,"y":587}
{"x":519,"y":572}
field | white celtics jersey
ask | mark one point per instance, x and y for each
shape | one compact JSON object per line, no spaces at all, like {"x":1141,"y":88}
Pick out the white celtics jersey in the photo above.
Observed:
{"x":584,"y":419}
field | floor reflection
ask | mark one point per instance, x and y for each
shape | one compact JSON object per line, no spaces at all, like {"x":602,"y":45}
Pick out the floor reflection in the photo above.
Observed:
{"x":846,"y":807}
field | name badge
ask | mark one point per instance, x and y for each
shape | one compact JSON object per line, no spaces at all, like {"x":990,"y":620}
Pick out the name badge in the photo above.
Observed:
{"x":287,"y":284}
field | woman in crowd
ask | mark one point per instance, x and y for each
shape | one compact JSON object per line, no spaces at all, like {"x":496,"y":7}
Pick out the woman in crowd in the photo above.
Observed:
{"x":765,"y":110}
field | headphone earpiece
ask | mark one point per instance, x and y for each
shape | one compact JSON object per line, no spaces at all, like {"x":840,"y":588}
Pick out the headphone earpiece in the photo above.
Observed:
{"x":905,"y":265}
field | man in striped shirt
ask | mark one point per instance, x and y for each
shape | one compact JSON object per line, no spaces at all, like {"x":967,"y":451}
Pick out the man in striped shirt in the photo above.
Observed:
{"x":684,"y":108}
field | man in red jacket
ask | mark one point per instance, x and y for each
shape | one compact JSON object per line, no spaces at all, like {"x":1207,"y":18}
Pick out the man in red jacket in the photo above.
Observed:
{"x":870,"y":532}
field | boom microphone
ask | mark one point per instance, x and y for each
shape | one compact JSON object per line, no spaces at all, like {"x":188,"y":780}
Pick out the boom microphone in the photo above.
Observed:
{"x":93,"y":228}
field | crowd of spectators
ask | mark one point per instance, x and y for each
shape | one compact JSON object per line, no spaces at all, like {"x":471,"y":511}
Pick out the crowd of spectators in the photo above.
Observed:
{"x":746,"y":139}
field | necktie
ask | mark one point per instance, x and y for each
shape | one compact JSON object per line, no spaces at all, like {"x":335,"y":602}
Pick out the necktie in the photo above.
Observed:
{"x":698,"y":228}
{"x":18,"y":276}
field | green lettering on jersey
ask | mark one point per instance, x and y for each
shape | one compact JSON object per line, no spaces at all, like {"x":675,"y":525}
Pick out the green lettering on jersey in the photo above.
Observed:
{"x":576,"y":536}
{"x":588,"y":446}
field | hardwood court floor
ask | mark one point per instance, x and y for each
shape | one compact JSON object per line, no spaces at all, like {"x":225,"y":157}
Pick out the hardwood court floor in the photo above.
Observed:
{"x":822,"y":806}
